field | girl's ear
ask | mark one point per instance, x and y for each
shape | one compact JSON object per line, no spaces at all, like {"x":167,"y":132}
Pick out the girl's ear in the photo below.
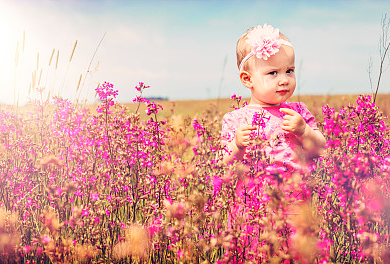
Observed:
{"x":246,"y":79}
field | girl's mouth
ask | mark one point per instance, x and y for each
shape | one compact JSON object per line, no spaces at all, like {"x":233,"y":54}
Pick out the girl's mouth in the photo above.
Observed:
{"x":282,"y":92}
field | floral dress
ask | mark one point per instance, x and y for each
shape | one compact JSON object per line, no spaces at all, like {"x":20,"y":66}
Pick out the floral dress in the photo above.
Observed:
{"x":250,"y":200}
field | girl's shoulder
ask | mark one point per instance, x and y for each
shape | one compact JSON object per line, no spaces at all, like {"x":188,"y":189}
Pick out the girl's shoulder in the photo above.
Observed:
{"x":238,"y":111}
{"x":239,"y":116}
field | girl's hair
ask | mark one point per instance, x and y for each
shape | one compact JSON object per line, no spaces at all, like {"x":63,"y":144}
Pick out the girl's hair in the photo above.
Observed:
{"x":244,"y":49}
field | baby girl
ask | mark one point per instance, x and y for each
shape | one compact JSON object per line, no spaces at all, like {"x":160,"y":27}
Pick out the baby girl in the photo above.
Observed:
{"x":266,"y":62}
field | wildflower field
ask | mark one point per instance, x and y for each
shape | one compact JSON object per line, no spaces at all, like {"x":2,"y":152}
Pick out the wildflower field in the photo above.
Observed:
{"x":117,"y":185}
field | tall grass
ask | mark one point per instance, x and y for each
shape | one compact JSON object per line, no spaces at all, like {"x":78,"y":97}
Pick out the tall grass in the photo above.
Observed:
{"x":107,"y":185}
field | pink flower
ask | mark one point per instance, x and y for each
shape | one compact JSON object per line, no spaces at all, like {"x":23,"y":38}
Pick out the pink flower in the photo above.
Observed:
{"x":26,"y":215}
{"x":180,"y":253}
{"x":141,"y":86}
{"x":94,"y":196}
{"x":85,"y":212}
{"x":265,"y":41}
{"x":217,"y":183}
{"x":176,"y":209}
{"x":153,"y":229}
{"x":46,"y":239}
{"x":26,"y":249}
{"x":78,"y":193}
{"x":106,"y":91}
{"x":58,"y":191}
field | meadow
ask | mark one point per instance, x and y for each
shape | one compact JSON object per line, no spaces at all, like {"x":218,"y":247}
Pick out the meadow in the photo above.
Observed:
{"x":313,"y":102}
{"x":143,"y":182}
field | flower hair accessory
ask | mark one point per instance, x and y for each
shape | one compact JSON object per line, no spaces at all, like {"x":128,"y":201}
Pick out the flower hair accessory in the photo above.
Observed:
{"x":265,"y":42}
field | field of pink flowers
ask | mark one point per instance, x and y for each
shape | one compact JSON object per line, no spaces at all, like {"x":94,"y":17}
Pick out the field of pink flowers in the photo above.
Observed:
{"x":107,"y":186}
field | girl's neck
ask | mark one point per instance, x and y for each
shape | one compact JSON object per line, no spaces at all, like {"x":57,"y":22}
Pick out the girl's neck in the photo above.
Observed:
{"x":258,"y":104}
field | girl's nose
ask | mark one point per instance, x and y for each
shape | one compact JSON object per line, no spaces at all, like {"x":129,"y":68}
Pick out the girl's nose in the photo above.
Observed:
{"x":283,"y":80}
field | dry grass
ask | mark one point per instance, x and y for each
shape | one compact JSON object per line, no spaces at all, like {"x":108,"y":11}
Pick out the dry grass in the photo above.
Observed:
{"x":195,"y":108}
{"x":313,"y":102}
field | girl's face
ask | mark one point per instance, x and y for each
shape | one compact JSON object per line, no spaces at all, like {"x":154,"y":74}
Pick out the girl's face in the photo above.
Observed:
{"x":273,"y":80}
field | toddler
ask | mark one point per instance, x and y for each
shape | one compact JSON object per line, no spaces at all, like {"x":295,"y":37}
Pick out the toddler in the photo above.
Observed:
{"x":265,"y":59}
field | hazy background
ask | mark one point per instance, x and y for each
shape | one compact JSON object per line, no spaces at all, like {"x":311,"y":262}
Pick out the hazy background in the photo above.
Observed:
{"x":182,"y":49}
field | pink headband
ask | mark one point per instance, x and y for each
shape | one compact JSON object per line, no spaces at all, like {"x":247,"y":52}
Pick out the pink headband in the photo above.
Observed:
{"x":265,"y":42}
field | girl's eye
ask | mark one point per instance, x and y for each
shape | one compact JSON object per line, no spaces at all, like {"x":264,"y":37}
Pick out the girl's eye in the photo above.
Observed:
{"x":290,"y":71}
{"x":272,"y":73}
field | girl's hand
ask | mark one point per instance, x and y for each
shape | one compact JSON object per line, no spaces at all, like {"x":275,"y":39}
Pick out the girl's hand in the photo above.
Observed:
{"x":293,"y":122}
{"x":313,"y":142}
{"x":243,"y":136}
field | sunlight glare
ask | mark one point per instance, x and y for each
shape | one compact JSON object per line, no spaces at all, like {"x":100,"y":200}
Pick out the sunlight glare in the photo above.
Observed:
{"x":8,"y":45}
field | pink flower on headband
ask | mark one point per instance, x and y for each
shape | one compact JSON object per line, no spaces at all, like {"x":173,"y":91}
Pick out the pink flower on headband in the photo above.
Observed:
{"x":265,"y":41}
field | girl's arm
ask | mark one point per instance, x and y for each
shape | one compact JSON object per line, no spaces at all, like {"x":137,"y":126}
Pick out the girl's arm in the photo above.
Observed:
{"x":238,"y":145}
{"x":313,"y":141}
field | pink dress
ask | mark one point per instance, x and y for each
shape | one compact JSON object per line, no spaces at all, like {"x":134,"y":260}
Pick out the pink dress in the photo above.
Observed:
{"x":287,"y":152}
{"x":250,"y":193}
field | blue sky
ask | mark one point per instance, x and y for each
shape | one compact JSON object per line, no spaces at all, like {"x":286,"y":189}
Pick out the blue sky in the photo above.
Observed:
{"x":183,"y":49}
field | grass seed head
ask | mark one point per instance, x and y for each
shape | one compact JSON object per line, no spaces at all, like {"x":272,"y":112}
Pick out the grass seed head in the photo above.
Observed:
{"x":137,"y":243}
{"x":51,"y":160}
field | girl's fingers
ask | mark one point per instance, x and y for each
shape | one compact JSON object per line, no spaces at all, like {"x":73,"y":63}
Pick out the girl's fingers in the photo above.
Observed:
{"x":249,"y":127}
{"x":286,"y":128}
{"x":247,"y":133}
{"x":287,"y":111}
